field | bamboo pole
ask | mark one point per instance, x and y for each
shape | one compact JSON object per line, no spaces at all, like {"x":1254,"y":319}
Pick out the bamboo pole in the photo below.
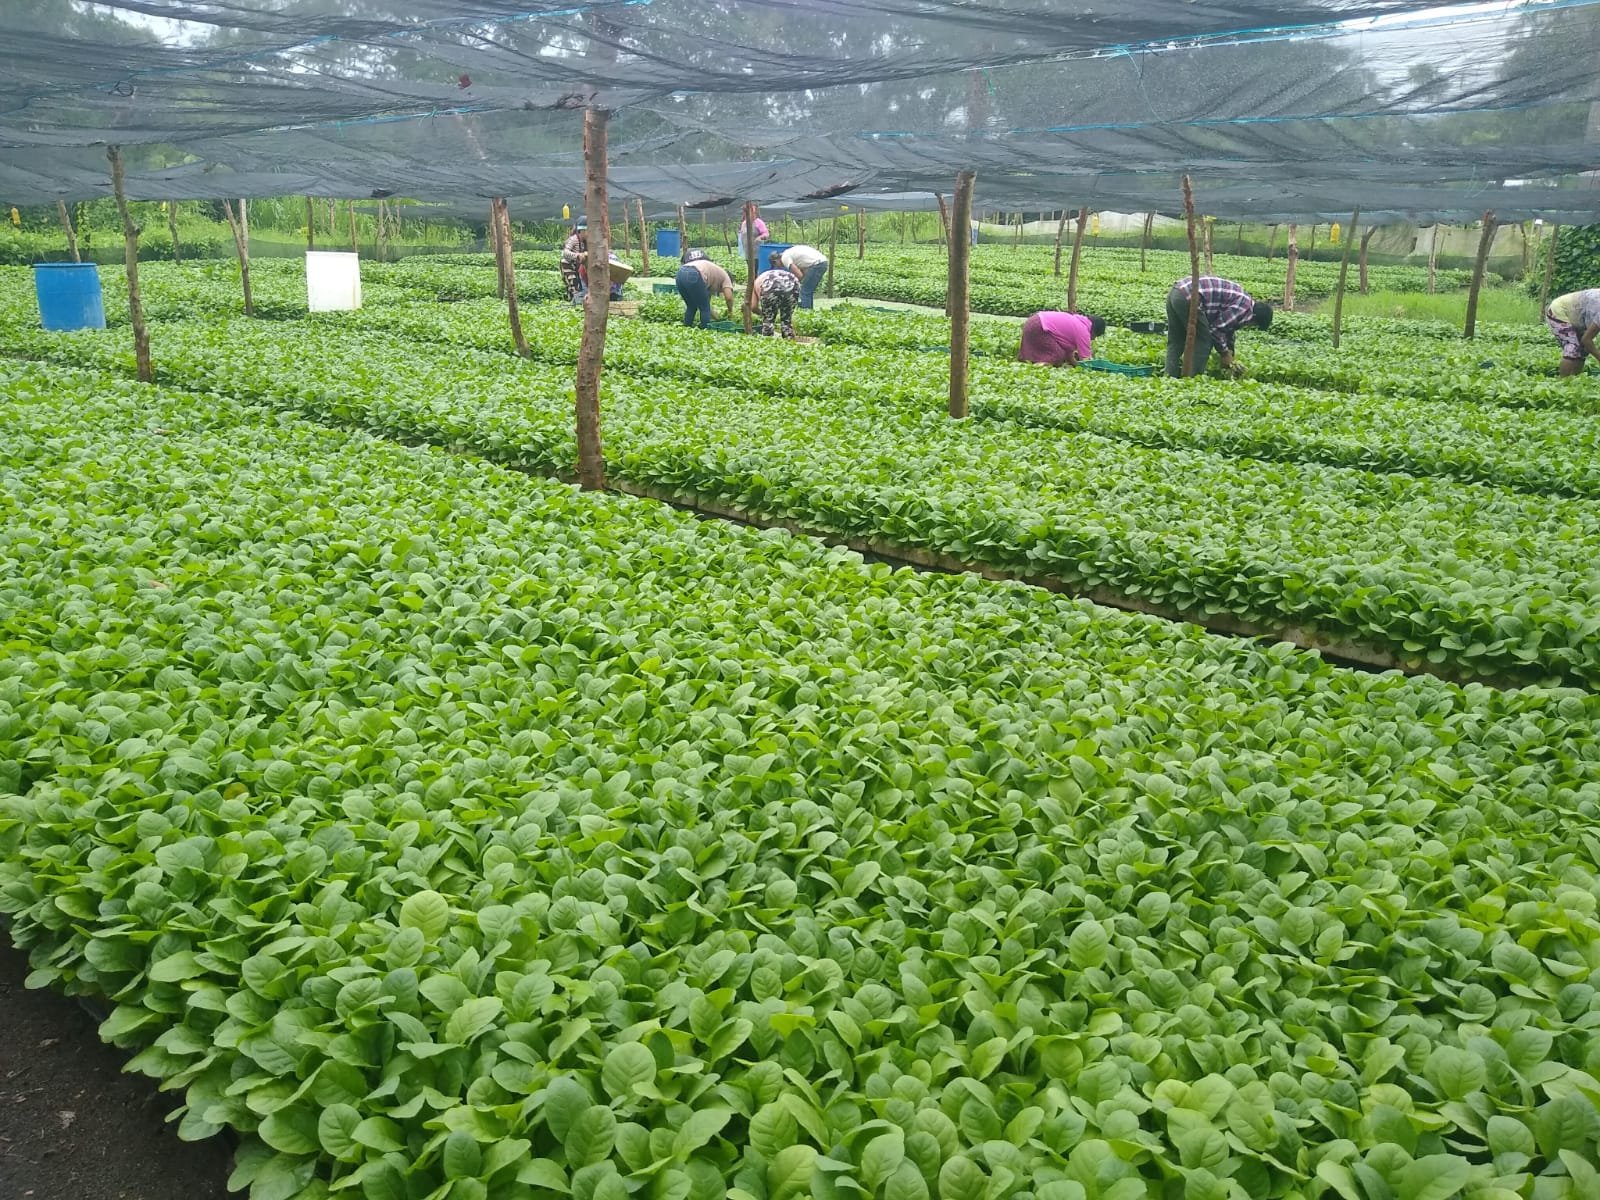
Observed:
{"x":960,"y":248}
{"x":1144,"y":244}
{"x":130,"y":262}
{"x":1485,"y":241}
{"x":72,"y":234}
{"x":596,"y":306}
{"x":644,"y":239}
{"x":311,"y":226}
{"x":833,"y":253}
{"x":1433,"y":256}
{"x":1366,"y":236}
{"x":750,"y":264}
{"x":242,"y":246}
{"x":1189,"y":365}
{"x":508,"y":273}
{"x":1344,"y":272}
{"x":1077,"y":251}
{"x":1549,"y":267}
{"x":172,"y":229}
{"x":1061,"y":228}
{"x":1292,"y":255}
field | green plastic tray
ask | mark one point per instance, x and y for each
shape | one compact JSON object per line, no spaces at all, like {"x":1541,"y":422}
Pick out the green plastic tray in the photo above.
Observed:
{"x":1111,"y":368}
{"x":664,"y":289}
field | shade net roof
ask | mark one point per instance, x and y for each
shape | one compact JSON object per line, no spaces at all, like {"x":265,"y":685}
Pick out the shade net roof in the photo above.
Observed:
{"x":1293,"y":109}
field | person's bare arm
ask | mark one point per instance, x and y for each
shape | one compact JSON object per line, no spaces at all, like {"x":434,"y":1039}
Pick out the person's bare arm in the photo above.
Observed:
{"x":1588,"y":343}
{"x":727,"y":295}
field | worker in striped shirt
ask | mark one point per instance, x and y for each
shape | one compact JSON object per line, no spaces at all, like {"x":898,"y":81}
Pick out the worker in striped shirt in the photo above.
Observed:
{"x":1225,"y":308}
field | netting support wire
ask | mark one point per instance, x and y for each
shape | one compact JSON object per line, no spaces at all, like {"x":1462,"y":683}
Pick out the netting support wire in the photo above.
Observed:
{"x":1549,"y":267}
{"x":501,"y":214}
{"x":1077,"y":252}
{"x":959,"y":243}
{"x":749,"y":243}
{"x":130,"y":252}
{"x":1292,"y":260}
{"x":1344,"y":273}
{"x":1189,"y":364}
{"x":311,"y":225}
{"x":72,"y":234}
{"x":242,"y":247}
{"x":596,"y":305}
{"x":1061,"y":228}
{"x":172,"y":228}
{"x":1485,"y":240}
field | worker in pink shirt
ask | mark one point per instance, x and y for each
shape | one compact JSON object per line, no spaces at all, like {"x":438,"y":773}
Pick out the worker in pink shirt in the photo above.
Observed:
{"x":1057,"y":339}
{"x":761,"y":235}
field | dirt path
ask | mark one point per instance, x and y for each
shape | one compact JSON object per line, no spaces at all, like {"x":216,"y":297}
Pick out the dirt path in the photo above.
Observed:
{"x":72,"y":1125}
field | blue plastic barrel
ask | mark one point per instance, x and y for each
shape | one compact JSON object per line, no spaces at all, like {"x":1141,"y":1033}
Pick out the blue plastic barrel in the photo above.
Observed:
{"x":767,"y":255}
{"x":666,"y":243}
{"x":69,"y":295}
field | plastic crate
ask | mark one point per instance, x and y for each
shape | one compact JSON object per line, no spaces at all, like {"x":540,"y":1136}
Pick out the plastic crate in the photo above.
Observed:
{"x":1111,"y":368}
{"x":664,"y":289}
{"x":727,"y":326}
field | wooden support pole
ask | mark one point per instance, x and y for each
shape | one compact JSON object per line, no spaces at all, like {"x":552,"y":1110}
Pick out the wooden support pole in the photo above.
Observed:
{"x":508,"y":273}
{"x":242,"y":246}
{"x":172,"y":228}
{"x":627,"y":232}
{"x":1433,"y":257}
{"x":1210,"y":226}
{"x":944,"y":218}
{"x":1189,"y":364}
{"x":244,"y":222}
{"x":644,"y":238}
{"x":1549,"y":267}
{"x":383,"y":231}
{"x":1061,"y":228}
{"x":1344,"y":272}
{"x":750,"y":264}
{"x":1238,"y":248}
{"x":1292,"y":256}
{"x":1144,"y":244}
{"x":1311,"y":249}
{"x":355,"y":242}
{"x":130,"y":261}
{"x":833,"y":253}
{"x":960,"y":247}
{"x":861,"y":233}
{"x":727,"y":238}
{"x":494,"y":249}
{"x":905,"y":223}
{"x":683,"y":233}
{"x":596,"y":305}
{"x":72,"y":234}
{"x":1272,"y":242}
{"x":1485,"y":240}
{"x":1366,"y":236}
{"x":1016,"y":241}
{"x":311,"y":225}
{"x":1077,"y":252}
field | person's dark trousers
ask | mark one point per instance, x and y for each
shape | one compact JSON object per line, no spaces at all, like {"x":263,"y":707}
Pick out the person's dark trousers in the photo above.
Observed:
{"x":696,"y":295}
{"x":810,"y":284}
{"x":1177,"y":331}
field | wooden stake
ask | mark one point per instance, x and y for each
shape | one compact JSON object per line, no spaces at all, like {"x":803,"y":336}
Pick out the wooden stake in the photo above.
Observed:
{"x":683,"y":233}
{"x":72,"y":234}
{"x":311,"y":226}
{"x":727,"y":238}
{"x":383,"y":231}
{"x":1549,"y":267}
{"x":1311,"y":249}
{"x":494,"y":249}
{"x":596,"y":306}
{"x":944,"y":218}
{"x":1061,"y":228}
{"x":130,"y":261}
{"x":508,"y":273}
{"x":1238,"y":248}
{"x":1077,"y":250}
{"x":1272,"y":242}
{"x":960,"y":247}
{"x":1016,"y":242}
{"x":861,"y":233}
{"x":244,"y":222}
{"x":355,"y":242}
{"x":1366,"y":236}
{"x":833,"y":253}
{"x":1293,"y":256}
{"x":1210,"y":226}
{"x":627,"y":232}
{"x":1344,"y":271}
{"x":1485,"y":240}
{"x":241,"y":245}
{"x":172,"y":228}
{"x":1189,"y":365}
{"x":644,"y":239}
{"x":1433,"y":256}
{"x":1144,"y":244}
{"x":750,"y":264}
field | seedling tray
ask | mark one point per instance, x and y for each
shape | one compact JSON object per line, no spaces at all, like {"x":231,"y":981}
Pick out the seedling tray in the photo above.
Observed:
{"x":1111,"y":368}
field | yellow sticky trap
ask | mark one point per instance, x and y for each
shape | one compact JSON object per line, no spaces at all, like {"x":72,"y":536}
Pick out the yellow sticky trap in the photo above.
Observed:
{"x":1333,"y":233}
{"x":1094,"y":224}
{"x":16,"y":217}
{"x":566,"y":212}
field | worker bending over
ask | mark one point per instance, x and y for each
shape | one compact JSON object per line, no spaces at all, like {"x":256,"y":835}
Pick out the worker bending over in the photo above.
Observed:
{"x":1575,"y":319}
{"x":777,"y":291}
{"x":810,"y":266}
{"x":1225,"y":308}
{"x":575,"y":261}
{"x":697,"y":279}
{"x":1059,"y":339}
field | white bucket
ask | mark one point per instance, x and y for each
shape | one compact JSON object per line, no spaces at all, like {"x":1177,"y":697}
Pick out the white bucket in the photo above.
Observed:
{"x":333,"y":281}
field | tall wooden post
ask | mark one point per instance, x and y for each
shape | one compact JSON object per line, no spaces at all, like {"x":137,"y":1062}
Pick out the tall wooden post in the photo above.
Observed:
{"x":508,"y":272}
{"x":1238,"y":248}
{"x":627,"y":233}
{"x":355,"y":241}
{"x":242,"y":245}
{"x":683,"y":233}
{"x":1549,"y":267}
{"x":1016,"y":241}
{"x":1144,"y":243}
{"x":960,"y":247}
{"x":130,"y":261}
{"x":172,"y":229}
{"x":383,"y":231}
{"x":1272,"y":242}
{"x":1293,"y":257}
{"x":750,"y":264}
{"x":727,"y":238}
{"x":1485,"y":240}
{"x":905,"y":223}
{"x":1210,"y":226}
{"x":833,"y":252}
{"x":1189,"y":364}
{"x":72,"y":234}
{"x":861,"y":233}
{"x":311,"y":225}
{"x":1366,"y":236}
{"x":1077,"y":251}
{"x":494,"y":249}
{"x":1344,"y":271}
{"x":944,"y":218}
{"x":244,"y":222}
{"x":644,"y":236}
{"x":596,"y":306}
{"x":1061,"y":228}
{"x":1433,"y":256}
{"x":1312,"y":247}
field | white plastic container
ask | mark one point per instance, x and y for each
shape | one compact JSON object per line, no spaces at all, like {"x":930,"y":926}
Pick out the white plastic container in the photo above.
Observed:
{"x":333,"y":281}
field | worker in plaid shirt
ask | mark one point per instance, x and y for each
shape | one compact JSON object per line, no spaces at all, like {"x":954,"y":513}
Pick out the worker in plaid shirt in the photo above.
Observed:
{"x":1225,"y":308}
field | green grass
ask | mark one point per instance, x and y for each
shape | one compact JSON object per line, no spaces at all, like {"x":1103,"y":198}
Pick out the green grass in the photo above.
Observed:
{"x":1509,"y":305}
